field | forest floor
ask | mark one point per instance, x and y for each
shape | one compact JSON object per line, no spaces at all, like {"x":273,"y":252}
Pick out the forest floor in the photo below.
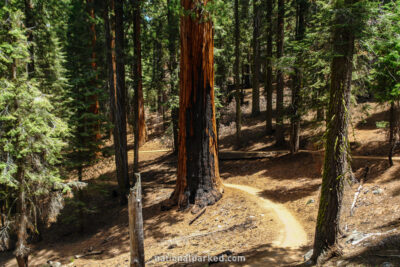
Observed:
{"x":267,"y":213}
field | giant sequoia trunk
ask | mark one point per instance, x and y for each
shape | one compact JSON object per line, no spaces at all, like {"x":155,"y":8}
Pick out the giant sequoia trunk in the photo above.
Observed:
{"x":301,"y":6}
{"x":116,"y":77}
{"x":268,"y":81}
{"x":336,"y":147}
{"x":237,"y":75}
{"x":198,"y":180}
{"x":141,"y":132}
{"x":280,"y":130}
{"x":94,"y":106}
{"x":255,"y":109}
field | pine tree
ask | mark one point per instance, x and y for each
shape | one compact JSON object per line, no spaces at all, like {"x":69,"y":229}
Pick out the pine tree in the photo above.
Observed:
{"x":173,"y":34}
{"x":255,"y":110}
{"x":345,"y":27}
{"x":301,"y":6}
{"x":31,"y":136}
{"x":280,"y":83}
{"x":268,"y":81}
{"x":237,"y":74}
{"x":85,"y":92}
{"x":385,"y":46}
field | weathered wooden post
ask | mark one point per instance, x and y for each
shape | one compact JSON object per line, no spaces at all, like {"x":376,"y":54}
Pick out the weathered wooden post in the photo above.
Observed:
{"x":136,"y":224}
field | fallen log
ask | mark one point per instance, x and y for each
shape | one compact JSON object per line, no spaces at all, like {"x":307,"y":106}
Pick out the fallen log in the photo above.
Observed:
{"x":90,"y":253}
{"x":233,"y":155}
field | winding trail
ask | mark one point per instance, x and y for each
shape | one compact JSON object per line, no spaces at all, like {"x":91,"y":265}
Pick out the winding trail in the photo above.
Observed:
{"x":292,"y":235}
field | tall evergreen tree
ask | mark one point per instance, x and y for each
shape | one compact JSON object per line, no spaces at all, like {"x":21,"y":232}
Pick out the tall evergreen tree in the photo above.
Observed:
{"x":268,"y":81}
{"x":280,"y":82}
{"x":237,"y":74}
{"x":301,"y":6}
{"x":31,"y":136}
{"x":337,"y":144}
{"x":255,"y":110}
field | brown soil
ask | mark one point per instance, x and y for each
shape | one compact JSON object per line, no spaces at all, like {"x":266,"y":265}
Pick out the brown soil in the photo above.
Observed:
{"x":239,"y":222}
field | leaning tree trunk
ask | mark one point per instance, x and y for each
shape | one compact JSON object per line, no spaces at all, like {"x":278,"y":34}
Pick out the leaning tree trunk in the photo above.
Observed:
{"x":301,"y":6}
{"x":94,"y":106}
{"x":237,"y":75}
{"x":255,"y":109}
{"x":22,"y":249}
{"x":139,"y":117}
{"x":280,"y":130}
{"x":268,"y":81}
{"x":198,"y":180}
{"x":337,"y":146}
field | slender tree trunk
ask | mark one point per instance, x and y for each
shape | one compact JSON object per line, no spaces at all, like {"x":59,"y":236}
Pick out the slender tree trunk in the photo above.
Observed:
{"x":117,"y":90}
{"x":237,"y":75}
{"x":94,"y":106}
{"x":30,"y":24}
{"x":255,"y":109}
{"x":336,"y":147}
{"x":198,"y":180}
{"x":280,"y":130}
{"x":268,"y":81}
{"x":393,"y":131}
{"x":140,"y":118}
{"x":173,"y":30}
{"x":22,"y":250}
{"x":301,"y":6}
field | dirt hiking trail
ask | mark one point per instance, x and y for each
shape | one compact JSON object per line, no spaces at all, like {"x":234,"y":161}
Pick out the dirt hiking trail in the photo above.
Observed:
{"x":292,"y":235}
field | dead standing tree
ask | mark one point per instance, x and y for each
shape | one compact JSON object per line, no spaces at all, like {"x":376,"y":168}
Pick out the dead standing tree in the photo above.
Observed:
{"x":136,"y":224}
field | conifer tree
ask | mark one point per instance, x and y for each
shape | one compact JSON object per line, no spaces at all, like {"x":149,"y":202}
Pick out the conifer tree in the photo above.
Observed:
{"x":31,"y":136}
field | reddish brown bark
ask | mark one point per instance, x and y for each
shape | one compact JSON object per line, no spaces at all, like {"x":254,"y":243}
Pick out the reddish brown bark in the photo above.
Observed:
{"x":94,"y":107}
{"x":198,"y":180}
{"x":140,"y":117}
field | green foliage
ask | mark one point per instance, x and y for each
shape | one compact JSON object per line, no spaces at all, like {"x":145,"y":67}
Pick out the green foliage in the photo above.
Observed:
{"x":85,"y":84}
{"x":31,"y":136}
{"x":386,"y":49}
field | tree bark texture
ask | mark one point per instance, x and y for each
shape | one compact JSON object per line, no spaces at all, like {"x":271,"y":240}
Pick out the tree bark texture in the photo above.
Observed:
{"x":198,"y":180}
{"x":337,"y":144}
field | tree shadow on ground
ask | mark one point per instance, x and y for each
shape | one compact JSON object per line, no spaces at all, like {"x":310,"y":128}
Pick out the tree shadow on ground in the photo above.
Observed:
{"x":104,"y":221}
{"x":383,"y":250}
{"x":287,"y":167}
{"x":377,"y":168}
{"x":370,"y":122}
{"x":284,"y":194}
{"x":258,"y":256}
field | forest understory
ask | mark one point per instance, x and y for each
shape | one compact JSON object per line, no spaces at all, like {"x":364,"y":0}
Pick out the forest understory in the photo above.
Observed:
{"x":241,"y":223}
